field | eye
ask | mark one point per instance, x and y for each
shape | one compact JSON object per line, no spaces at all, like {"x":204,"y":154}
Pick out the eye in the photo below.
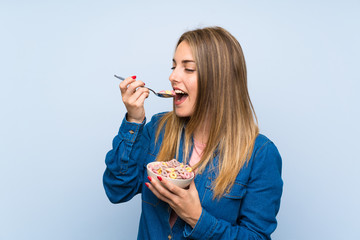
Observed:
{"x":189,"y":70}
{"x":172,"y":68}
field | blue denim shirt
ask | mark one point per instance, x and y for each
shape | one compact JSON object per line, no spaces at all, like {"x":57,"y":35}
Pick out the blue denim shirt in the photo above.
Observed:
{"x":247,"y":211}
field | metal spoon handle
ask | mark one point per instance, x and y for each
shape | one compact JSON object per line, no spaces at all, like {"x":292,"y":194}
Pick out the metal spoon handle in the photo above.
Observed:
{"x":163,"y":95}
{"x":121,"y":78}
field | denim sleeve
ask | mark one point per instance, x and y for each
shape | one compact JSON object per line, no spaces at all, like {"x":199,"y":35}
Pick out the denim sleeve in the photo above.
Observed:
{"x":124,"y":164}
{"x":259,"y":207}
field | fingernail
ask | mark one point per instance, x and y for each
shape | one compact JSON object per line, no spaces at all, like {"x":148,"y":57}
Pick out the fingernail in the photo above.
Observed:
{"x":133,"y":77}
{"x":159,"y":178}
{"x":147,"y":184}
{"x":149,"y":178}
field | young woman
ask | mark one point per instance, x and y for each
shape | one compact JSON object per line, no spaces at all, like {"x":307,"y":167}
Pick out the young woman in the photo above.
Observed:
{"x":237,"y":187}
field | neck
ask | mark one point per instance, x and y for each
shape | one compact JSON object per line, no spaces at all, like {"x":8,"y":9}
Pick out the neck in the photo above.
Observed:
{"x":201,"y":133}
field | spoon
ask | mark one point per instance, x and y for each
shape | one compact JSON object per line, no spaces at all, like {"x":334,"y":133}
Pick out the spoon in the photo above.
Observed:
{"x":159,"y":94}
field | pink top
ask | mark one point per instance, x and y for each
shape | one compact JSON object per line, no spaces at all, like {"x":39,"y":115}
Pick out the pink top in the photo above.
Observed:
{"x":194,"y":159}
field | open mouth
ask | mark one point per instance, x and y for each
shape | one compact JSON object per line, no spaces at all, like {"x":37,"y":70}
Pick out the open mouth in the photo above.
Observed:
{"x":180,"y":96}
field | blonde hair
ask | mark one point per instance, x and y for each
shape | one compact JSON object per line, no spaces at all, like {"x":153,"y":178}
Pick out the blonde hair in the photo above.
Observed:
{"x":223,"y":99}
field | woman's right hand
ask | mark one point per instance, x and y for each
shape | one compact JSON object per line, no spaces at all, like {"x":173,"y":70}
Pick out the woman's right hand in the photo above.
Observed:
{"x":133,"y":95}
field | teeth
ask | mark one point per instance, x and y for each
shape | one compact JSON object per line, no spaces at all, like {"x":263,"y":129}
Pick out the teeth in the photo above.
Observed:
{"x":179,"y":92}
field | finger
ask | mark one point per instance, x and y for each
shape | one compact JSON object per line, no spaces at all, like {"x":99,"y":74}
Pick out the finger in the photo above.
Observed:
{"x":170,"y":186}
{"x":134,"y":86}
{"x":124,"y":84}
{"x":132,"y":89}
{"x":162,"y":189}
{"x":143,"y":96}
{"x":138,"y":98}
{"x":192,"y":186}
{"x":156,"y":192}
{"x":128,"y":94}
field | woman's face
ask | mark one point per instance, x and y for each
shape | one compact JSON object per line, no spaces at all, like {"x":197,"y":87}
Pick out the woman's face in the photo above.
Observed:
{"x":184,"y":80}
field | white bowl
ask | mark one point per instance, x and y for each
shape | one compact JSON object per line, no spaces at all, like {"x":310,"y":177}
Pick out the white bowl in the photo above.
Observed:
{"x":183,"y":183}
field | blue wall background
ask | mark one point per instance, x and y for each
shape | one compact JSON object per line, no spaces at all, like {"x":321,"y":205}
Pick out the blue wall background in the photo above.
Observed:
{"x":61,"y":106}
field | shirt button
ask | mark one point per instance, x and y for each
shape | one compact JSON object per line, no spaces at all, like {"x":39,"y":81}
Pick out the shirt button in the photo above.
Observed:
{"x":169,"y":237}
{"x":131,"y":132}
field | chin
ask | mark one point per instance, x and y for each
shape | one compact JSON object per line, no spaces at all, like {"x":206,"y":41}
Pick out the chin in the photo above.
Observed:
{"x":182,"y":113}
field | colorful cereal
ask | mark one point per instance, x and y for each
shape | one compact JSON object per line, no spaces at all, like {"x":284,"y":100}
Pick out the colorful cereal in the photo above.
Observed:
{"x":172,"y":169}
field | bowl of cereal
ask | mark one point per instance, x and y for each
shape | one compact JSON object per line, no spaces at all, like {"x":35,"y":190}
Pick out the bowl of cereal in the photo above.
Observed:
{"x":177,"y":173}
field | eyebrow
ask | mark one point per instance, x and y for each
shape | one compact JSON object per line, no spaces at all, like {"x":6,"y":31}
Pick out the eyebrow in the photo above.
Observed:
{"x":185,"y":61}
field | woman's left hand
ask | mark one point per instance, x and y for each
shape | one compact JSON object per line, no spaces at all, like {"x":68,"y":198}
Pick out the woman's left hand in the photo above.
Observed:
{"x":185,"y":202}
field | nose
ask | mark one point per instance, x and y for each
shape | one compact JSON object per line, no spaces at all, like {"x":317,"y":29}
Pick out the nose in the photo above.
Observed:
{"x":173,"y":76}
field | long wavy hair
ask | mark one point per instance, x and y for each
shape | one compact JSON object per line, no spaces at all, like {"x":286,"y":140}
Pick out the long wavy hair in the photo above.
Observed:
{"x":222,"y":100}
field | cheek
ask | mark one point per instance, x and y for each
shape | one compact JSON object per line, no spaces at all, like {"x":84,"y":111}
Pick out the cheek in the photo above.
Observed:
{"x":194,"y":93}
{"x":193,"y":87}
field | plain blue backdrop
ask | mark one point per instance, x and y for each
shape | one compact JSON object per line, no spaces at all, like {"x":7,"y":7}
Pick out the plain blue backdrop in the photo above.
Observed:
{"x":61,"y":106}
